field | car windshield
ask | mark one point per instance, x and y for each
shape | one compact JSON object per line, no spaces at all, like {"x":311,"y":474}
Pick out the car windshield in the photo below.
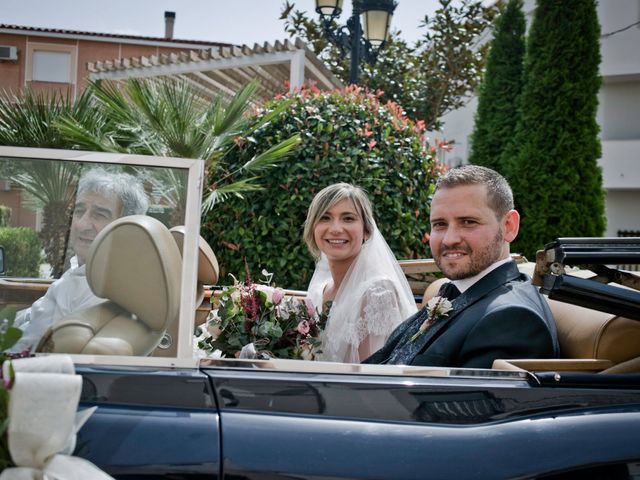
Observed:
{"x":95,"y":241}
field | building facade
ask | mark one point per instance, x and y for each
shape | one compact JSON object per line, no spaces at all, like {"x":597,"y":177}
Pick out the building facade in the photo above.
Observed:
{"x":52,"y":60}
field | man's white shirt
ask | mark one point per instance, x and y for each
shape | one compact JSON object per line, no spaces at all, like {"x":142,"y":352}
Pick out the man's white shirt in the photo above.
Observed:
{"x":68,"y":294}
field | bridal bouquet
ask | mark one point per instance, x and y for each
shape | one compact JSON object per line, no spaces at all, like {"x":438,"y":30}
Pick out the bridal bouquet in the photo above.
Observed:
{"x":261,"y":315}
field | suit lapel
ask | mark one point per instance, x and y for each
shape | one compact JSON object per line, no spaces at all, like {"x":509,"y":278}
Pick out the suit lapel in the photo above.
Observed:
{"x":494,"y":279}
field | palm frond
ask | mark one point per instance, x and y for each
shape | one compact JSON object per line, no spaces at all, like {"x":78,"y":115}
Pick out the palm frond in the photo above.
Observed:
{"x":237,"y":106}
{"x":49,"y":181}
{"x":26,"y":120}
{"x":87,"y":135}
{"x":275,"y":154}
{"x":222,"y":193}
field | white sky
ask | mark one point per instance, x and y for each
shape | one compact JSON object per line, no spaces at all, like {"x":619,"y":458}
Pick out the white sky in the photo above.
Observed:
{"x":228,"y":21}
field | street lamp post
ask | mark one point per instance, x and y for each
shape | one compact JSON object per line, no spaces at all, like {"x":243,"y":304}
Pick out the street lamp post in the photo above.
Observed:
{"x":363,"y":40}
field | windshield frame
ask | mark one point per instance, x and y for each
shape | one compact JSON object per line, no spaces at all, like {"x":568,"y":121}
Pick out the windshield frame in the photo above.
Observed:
{"x":195,"y":176}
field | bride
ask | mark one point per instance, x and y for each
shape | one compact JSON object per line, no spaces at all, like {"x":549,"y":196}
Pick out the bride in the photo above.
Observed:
{"x":357,"y":278}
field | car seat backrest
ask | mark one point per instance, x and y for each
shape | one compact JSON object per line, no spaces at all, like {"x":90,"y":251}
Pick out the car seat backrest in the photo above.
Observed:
{"x":135,"y":264}
{"x":208,"y":272}
{"x":587,"y":333}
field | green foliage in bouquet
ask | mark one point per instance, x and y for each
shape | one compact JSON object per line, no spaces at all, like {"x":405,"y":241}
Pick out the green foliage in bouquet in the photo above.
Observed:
{"x":278,"y":326}
{"x":346,"y":136}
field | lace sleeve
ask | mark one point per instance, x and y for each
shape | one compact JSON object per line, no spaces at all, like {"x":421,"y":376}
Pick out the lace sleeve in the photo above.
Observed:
{"x":380,"y":313}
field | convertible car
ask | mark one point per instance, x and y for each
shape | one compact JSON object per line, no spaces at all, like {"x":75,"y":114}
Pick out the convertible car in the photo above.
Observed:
{"x":162,"y":413}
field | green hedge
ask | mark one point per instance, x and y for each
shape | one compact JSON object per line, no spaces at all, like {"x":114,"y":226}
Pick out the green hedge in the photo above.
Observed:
{"x":346,"y":136}
{"x":22,"y":252}
{"x":5,"y":215}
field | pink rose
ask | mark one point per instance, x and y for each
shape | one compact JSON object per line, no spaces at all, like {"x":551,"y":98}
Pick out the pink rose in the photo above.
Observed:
{"x":311,"y":309}
{"x":303,"y":327}
{"x":277,"y":296}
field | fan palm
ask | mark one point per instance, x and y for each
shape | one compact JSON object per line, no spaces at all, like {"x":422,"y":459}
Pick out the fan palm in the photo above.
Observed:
{"x":169,"y":118}
{"x":165,"y":118}
{"x":28,"y":120}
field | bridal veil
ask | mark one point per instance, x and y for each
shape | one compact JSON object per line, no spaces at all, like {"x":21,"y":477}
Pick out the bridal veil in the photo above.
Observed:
{"x":373,"y":299}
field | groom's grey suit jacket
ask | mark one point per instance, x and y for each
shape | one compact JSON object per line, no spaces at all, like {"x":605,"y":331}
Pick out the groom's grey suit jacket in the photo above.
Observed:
{"x":500,"y":316}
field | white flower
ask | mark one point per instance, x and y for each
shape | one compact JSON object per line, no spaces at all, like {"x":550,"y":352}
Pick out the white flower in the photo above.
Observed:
{"x":436,"y":307}
{"x":266,"y":289}
{"x":308,"y":352}
{"x":439,"y":306}
{"x":267,"y":275}
{"x":235,"y":296}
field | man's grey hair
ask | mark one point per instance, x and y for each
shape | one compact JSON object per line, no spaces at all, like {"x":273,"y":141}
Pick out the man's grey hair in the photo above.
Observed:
{"x":499,"y":194}
{"x":127,"y":187}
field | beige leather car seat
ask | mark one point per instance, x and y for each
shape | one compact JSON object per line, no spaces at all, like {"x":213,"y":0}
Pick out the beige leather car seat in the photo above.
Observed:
{"x":208,"y":272}
{"x":590,"y":341}
{"x":208,"y":269}
{"x":135,"y":264}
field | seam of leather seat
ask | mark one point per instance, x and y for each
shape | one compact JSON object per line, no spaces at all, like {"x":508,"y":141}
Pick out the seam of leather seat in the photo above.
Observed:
{"x":75,"y":323}
{"x":599,"y":334}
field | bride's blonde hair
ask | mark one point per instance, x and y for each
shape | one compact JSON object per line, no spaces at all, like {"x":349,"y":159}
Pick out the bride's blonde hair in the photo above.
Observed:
{"x":327,"y":198}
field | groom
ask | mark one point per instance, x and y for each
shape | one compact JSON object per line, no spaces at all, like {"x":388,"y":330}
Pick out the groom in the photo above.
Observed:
{"x":496,"y":313}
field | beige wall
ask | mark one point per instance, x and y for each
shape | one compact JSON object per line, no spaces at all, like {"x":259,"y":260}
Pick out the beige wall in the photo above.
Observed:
{"x":12,"y":72}
{"x":20,"y":215}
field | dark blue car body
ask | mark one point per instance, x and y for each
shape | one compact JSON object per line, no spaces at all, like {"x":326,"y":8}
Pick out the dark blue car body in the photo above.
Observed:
{"x":247,"y":420}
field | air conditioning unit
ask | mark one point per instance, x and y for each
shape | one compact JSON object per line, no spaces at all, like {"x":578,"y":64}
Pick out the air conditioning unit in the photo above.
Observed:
{"x":8,"y":52}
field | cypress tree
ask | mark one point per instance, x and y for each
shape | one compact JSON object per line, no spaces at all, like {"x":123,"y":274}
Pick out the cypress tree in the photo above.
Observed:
{"x":556,"y":180}
{"x":497,"y":113}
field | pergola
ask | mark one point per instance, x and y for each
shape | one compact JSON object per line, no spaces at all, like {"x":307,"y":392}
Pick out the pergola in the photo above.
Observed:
{"x":224,"y":70}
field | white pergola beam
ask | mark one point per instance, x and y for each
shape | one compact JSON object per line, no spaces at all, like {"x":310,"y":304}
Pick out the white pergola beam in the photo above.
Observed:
{"x":296,"y":70}
{"x":197,"y":66}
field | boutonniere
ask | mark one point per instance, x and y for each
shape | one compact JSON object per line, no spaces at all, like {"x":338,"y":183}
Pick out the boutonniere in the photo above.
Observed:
{"x":436,"y":307}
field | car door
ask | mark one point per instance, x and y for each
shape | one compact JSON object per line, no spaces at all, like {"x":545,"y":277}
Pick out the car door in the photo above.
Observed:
{"x":347,"y":421}
{"x":150,"y":423}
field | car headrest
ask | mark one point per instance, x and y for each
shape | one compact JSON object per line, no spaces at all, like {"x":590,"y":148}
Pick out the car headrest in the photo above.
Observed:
{"x":208,"y":269}
{"x":135,"y":262}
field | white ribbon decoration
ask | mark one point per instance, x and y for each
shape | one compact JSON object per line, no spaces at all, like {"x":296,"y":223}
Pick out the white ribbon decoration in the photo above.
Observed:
{"x":43,"y":422}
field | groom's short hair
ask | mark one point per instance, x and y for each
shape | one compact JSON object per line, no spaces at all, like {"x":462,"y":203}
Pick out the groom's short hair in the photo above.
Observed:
{"x":327,"y":198}
{"x":499,"y":194}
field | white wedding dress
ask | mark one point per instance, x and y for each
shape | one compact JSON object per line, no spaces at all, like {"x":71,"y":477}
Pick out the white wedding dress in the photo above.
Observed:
{"x":373,"y":299}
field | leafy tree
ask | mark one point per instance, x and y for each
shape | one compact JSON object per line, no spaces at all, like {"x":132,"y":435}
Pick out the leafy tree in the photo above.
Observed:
{"x":555,"y":175}
{"x":348,"y":135}
{"x":434,"y":76}
{"x":497,"y":113}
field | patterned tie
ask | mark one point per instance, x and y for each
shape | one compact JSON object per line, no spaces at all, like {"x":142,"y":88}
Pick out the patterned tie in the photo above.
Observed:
{"x":449,"y":291}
